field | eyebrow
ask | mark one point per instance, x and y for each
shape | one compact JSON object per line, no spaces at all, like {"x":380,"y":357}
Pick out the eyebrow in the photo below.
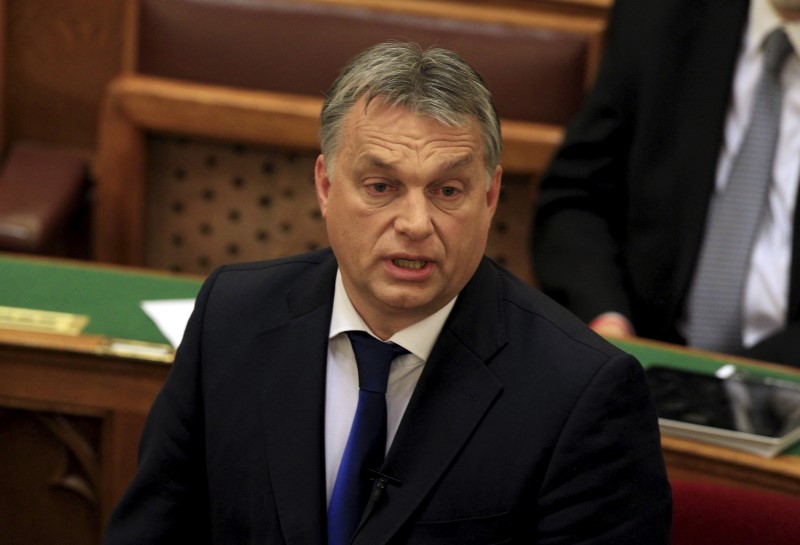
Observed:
{"x":460,"y":161}
{"x":465,"y":159}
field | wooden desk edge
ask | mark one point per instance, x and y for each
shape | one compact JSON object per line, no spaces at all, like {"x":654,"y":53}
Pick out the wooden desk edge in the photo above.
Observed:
{"x":697,"y":461}
{"x":78,"y":343}
{"x":99,"y":345}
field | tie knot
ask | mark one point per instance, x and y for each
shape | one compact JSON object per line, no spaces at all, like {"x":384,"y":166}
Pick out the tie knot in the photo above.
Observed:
{"x":777,"y":48}
{"x":373,"y":358}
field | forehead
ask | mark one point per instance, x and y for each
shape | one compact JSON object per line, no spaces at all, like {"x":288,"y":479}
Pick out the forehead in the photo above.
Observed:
{"x":396,"y":130}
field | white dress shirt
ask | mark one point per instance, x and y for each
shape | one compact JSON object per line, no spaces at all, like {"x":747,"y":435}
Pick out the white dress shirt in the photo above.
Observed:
{"x":767,"y":283}
{"x":341,"y":389}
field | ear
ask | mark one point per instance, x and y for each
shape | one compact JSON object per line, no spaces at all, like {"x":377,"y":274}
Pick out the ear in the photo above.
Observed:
{"x":322,"y":183}
{"x":493,"y":193}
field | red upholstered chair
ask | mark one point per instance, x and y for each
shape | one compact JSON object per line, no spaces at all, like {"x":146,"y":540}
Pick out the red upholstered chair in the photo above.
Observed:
{"x":710,"y":514}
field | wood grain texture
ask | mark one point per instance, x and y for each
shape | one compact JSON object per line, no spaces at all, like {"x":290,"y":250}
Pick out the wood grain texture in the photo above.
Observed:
{"x":60,"y":54}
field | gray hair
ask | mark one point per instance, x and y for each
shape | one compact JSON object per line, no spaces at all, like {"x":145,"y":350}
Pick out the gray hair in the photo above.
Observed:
{"x":435,"y":83}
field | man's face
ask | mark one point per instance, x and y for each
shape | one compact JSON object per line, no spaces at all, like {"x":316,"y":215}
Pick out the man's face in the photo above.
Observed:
{"x":407,"y":211}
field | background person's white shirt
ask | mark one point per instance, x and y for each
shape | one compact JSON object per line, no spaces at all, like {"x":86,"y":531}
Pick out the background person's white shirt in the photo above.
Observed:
{"x":767,"y":283}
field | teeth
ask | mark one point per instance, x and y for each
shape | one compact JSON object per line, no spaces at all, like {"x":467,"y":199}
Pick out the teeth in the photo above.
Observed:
{"x":410,"y":263}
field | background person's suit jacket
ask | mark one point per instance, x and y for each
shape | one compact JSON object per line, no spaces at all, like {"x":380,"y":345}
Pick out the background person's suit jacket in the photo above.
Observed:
{"x":622,"y":208}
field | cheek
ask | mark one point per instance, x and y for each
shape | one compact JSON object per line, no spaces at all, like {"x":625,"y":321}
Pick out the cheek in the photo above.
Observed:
{"x":338,"y":209}
{"x":468,"y":230}
{"x":349,"y":229}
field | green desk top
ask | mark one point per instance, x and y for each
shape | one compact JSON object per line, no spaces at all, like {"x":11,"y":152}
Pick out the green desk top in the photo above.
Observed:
{"x":655,"y":353}
{"x":109,"y":296}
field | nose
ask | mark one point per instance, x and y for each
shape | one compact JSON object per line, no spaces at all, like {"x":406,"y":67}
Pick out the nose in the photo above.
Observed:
{"x":413,"y":218}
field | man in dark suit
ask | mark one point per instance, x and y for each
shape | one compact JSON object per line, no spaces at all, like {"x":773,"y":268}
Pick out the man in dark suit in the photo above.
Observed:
{"x":508,"y":422}
{"x":625,"y":205}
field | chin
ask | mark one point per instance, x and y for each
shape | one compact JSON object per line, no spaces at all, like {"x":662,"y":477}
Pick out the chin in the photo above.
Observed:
{"x":402,"y":295}
{"x":412,"y":301}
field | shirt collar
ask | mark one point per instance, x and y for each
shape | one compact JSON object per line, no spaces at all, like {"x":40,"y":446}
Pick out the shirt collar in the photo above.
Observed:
{"x":418,"y":338}
{"x":763,"y":20}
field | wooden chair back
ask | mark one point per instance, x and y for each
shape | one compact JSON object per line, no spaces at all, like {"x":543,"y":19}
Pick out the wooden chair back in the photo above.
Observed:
{"x":207,"y":143}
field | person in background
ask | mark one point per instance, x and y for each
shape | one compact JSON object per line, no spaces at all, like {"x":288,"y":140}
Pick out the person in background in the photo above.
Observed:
{"x":670,"y":209}
{"x":398,"y":387}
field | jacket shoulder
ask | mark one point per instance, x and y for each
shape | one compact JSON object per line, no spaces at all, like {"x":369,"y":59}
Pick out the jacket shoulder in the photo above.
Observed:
{"x":552,"y":320}
{"x":266,"y":287}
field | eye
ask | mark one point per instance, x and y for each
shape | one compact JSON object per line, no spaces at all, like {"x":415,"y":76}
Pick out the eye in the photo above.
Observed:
{"x":379,"y":188}
{"x":449,"y":191}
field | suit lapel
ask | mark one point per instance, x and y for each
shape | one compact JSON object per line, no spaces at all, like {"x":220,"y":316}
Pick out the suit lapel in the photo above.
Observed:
{"x":455,"y":381}
{"x":293,"y":404}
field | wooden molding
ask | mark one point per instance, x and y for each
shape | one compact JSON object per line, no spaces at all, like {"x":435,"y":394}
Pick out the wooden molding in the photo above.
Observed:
{"x":181,"y":107}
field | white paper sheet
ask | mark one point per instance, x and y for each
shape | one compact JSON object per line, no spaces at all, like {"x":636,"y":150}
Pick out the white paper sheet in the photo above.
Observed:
{"x":171,"y":316}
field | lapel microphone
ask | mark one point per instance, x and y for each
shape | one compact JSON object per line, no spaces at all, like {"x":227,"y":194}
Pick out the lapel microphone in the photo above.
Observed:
{"x":381,"y":482}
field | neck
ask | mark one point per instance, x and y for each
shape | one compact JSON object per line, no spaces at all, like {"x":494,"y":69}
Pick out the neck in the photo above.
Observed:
{"x":384,"y":329}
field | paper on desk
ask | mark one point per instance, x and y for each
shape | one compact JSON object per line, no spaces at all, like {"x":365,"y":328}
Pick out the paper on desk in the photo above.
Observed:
{"x":171,"y":316}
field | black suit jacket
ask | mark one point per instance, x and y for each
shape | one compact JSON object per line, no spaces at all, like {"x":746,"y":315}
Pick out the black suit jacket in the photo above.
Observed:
{"x":623,"y":206}
{"x":525,"y":427}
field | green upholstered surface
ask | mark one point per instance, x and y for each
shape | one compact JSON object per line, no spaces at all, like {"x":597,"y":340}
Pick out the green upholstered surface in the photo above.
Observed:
{"x":109,"y":296}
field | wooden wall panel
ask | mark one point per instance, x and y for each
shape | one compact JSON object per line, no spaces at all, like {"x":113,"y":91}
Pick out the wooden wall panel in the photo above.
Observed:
{"x":59,"y":56}
{"x":70,"y":423}
{"x":50,"y":491}
{"x":2,"y":74}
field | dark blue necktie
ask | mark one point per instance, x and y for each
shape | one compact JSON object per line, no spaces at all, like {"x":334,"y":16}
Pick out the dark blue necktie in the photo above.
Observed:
{"x":367,"y":440}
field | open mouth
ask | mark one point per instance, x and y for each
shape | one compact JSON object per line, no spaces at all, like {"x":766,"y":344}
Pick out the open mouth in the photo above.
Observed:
{"x":415,"y":264}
